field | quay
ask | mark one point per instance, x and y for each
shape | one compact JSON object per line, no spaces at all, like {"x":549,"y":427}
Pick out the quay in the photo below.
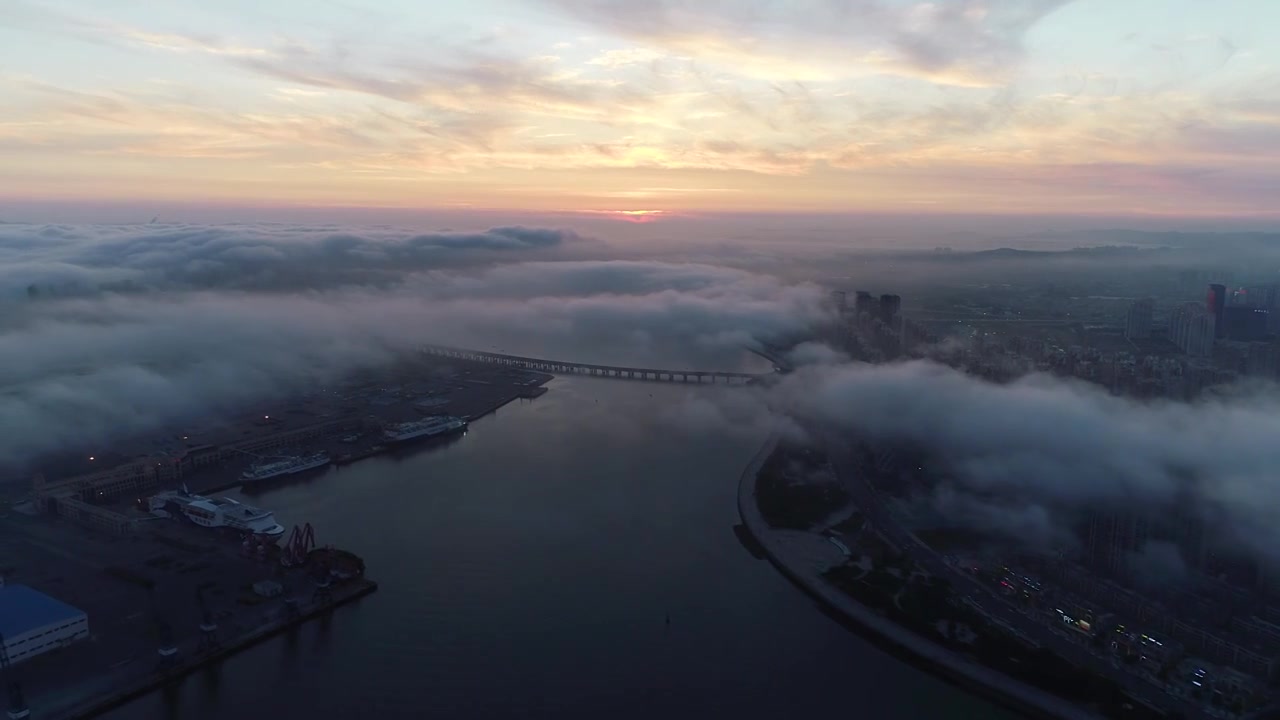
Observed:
{"x":160,"y":604}
{"x":165,"y":599}
{"x":191,"y":663}
{"x":99,"y":493}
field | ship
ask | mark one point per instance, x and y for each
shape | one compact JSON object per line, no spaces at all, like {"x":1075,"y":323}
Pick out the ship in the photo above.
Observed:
{"x":432,"y":427}
{"x":216,"y":513}
{"x":348,"y":458}
{"x":286,"y":466}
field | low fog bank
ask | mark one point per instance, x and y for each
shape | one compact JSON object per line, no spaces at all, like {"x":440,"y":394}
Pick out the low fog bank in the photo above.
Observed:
{"x":205,"y":328}
{"x":108,"y":332}
{"x":913,"y":252}
{"x":81,"y":260}
{"x":1028,"y":459}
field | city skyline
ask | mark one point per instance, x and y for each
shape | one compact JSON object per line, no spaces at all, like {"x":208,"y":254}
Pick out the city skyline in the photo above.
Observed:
{"x":617,"y":110}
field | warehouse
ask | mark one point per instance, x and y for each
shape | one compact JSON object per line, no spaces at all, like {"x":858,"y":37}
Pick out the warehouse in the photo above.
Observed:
{"x":32,"y":623}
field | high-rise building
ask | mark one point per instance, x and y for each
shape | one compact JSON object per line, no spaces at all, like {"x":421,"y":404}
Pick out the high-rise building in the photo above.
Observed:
{"x":1267,"y":297}
{"x":1262,"y":360}
{"x":1114,"y":537}
{"x":1138,"y":323}
{"x":1192,"y":328}
{"x":1245,"y":323}
{"x":1216,"y":303}
{"x":840,"y":300}
{"x":864,"y":303}
{"x":1117,"y":537}
{"x":889,"y":305}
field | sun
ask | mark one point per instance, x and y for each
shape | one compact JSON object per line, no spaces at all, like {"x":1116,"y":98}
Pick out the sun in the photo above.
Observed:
{"x":634,"y":216}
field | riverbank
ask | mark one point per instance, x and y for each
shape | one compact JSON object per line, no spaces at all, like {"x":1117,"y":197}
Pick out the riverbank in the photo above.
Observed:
{"x":191,"y":659}
{"x":802,"y":561}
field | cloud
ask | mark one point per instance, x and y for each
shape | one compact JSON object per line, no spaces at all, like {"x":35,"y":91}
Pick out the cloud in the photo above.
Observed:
{"x":467,"y":82}
{"x":628,"y":56}
{"x":72,"y":260}
{"x":816,"y":353}
{"x":37,"y":17}
{"x":1160,"y":564}
{"x":184,"y":322}
{"x":902,"y":105}
{"x":965,"y":43}
{"x":1039,"y":454}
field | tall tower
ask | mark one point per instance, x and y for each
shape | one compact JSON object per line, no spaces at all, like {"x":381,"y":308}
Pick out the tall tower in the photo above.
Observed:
{"x":1216,"y":303}
{"x":863,"y":303}
{"x":889,"y":305}
{"x":840,"y":300}
{"x":1138,"y":323}
{"x":1192,"y":328}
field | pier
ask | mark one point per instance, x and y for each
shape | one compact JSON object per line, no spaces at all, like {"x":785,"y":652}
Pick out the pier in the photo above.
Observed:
{"x":607,"y":371}
{"x":162,"y":603}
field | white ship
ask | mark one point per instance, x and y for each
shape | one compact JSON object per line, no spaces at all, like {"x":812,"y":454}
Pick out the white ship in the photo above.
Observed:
{"x":438,"y":426}
{"x":216,"y":513}
{"x":286,"y":466}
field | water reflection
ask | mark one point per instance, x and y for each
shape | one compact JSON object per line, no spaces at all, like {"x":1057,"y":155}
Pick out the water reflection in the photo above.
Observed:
{"x":528,"y":570}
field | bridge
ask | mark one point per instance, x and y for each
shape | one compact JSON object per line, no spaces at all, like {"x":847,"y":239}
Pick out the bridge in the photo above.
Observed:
{"x":609,"y":371}
{"x":774,"y":354}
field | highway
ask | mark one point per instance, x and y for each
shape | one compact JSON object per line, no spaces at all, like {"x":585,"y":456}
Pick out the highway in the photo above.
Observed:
{"x":859,"y":487}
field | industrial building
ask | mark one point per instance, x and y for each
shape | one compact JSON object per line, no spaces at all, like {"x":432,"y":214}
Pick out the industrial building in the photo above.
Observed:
{"x":32,"y":623}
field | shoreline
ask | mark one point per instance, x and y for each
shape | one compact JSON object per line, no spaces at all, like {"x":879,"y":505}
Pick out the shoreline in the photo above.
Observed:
{"x":483,"y":411}
{"x":191,"y":663}
{"x":915,"y":649}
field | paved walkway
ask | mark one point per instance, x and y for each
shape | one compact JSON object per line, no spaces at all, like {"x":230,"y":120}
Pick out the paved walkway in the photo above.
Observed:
{"x":803,"y":557}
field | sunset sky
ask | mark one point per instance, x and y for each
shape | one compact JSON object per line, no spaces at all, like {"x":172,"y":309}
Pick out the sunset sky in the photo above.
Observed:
{"x":1141,"y":107}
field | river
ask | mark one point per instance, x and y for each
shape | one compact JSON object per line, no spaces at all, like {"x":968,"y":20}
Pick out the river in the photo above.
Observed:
{"x":528,"y":571}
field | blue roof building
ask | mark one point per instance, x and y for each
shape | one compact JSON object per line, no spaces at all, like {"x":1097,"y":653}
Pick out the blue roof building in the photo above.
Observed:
{"x":32,"y":622}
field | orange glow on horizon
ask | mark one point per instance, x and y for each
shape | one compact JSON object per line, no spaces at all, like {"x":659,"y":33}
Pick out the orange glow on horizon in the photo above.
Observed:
{"x":682,"y":117}
{"x":632,"y":216}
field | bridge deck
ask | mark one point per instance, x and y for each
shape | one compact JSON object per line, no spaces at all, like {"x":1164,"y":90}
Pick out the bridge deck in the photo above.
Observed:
{"x":589,"y":368}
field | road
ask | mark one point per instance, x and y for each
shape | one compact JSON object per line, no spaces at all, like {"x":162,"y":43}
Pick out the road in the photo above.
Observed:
{"x":859,"y":487}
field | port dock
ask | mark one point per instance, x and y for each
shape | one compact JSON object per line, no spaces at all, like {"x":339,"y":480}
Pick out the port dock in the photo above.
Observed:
{"x":96,"y":487}
{"x":161,"y":603}
{"x":165,"y":598}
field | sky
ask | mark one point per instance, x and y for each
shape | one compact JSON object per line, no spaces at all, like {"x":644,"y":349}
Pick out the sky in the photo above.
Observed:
{"x":633,"y":110}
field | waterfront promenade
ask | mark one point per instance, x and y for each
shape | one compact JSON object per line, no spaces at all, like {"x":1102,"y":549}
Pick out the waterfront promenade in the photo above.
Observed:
{"x":803,"y":556}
